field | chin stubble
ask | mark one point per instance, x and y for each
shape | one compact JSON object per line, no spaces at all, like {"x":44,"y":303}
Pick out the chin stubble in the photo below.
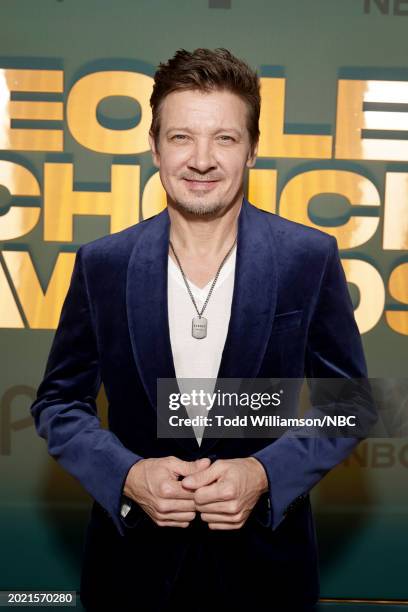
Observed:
{"x":201,"y":210}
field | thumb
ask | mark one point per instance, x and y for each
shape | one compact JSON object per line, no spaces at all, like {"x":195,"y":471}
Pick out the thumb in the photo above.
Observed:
{"x":184,"y":468}
{"x":201,"y":464}
{"x":201,"y":478}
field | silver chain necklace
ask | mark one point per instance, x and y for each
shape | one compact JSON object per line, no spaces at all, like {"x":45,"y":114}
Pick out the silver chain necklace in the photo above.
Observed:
{"x":199,"y":324}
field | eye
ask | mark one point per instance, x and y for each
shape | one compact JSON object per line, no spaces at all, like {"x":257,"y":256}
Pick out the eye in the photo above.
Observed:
{"x":226,"y":138}
{"x":179,"y":137}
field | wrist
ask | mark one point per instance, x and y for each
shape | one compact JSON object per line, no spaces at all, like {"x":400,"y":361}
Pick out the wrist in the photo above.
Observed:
{"x":263,"y":483}
{"x":133,"y":476}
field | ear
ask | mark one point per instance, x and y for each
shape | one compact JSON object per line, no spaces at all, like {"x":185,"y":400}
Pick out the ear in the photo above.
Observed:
{"x":155,"y":152}
{"x":252,"y":156}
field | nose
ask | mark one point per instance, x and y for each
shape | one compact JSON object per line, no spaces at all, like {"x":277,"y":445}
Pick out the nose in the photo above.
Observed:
{"x":202,"y":159}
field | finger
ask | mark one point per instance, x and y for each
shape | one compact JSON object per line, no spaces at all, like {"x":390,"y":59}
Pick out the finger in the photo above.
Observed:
{"x":185,"y":468}
{"x":203,"y":477}
{"x":175,"y":505}
{"x":226,"y":526}
{"x":221,"y":518}
{"x":220,"y":507}
{"x":216,"y":492}
{"x":176,"y":516}
{"x":172,"y":524}
{"x":173,"y":489}
{"x":203,"y":463}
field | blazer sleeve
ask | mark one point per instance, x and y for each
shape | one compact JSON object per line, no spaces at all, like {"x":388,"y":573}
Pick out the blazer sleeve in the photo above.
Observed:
{"x":65,"y":412}
{"x":334,"y":349}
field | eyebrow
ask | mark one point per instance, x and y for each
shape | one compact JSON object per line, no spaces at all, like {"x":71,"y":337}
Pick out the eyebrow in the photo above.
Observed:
{"x":186,"y":129}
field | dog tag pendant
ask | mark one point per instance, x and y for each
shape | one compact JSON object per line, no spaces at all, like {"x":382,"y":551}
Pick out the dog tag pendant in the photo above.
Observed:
{"x":199,"y":328}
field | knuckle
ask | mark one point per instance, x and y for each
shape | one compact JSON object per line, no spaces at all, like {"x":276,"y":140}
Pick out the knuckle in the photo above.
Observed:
{"x":162,"y":506}
{"x":198,"y":497}
{"x":165,"y":489}
{"x":229,"y":491}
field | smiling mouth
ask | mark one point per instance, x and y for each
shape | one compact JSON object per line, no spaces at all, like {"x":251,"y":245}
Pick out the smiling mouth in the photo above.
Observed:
{"x":200,"y":183}
{"x":201,"y":180}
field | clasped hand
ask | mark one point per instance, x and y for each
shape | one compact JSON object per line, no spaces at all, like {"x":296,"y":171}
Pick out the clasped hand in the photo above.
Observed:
{"x":171,"y":491}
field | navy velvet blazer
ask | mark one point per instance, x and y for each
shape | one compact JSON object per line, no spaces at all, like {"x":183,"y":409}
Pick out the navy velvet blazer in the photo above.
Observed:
{"x":291,"y":316}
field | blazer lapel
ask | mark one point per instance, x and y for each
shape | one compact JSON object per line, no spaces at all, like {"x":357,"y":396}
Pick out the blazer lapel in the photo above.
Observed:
{"x":253,"y":303}
{"x":254,"y":298}
{"x":252,"y":309}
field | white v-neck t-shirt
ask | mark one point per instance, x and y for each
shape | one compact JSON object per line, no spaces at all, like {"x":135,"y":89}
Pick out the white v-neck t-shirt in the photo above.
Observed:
{"x":199,"y":358}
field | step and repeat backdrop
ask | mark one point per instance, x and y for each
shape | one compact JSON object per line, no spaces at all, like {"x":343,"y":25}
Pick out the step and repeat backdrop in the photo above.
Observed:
{"x":75,"y":164}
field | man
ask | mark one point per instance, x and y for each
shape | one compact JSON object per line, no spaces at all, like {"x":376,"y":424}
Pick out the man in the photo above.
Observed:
{"x":211,"y":287}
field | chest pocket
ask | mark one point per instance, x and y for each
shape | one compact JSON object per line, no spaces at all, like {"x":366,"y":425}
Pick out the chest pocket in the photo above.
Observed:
{"x":286,"y":321}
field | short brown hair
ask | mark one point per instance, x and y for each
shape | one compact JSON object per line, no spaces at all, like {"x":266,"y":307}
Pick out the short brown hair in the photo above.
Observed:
{"x":207,"y":70}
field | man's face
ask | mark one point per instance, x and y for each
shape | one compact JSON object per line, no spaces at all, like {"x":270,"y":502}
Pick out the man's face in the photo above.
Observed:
{"x":203,"y":150}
